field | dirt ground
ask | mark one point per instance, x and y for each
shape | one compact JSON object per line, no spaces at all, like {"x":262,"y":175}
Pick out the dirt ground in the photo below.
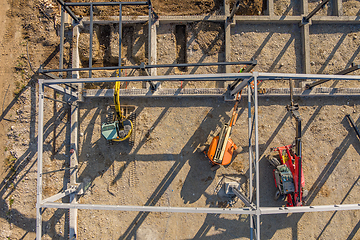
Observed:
{"x":163,"y":167}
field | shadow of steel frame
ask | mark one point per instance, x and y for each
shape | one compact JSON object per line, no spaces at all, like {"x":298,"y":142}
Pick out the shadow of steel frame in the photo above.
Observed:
{"x":254,"y":213}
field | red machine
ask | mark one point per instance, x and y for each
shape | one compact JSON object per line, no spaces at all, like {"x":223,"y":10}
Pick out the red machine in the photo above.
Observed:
{"x":288,"y":173}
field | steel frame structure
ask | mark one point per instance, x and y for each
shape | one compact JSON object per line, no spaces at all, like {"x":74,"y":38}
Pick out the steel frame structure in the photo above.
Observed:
{"x":254,"y":213}
{"x":73,"y":97}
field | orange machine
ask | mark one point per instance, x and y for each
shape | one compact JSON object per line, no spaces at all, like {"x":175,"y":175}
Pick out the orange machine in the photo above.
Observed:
{"x":221,"y":149}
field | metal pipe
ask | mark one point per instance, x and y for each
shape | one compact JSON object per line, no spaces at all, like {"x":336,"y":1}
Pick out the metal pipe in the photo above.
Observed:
{"x":246,"y":70}
{"x":250,"y":144}
{"x":77,"y":4}
{"x":240,"y":87}
{"x":39,"y":161}
{"x":257,"y":155}
{"x":149,"y":35}
{"x":120,"y":37}
{"x":353,"y":125}
{"x":91,"y":38}
{"x":204,"y":77}
{"x":262,"y":210}
{"x":299,"y":153}
{"x":61,"y":60}
{"x":349,"y":70}
{"x":149,"y":208}
{"x":68,"y":10}
{"x":285,"y":76}
{"x":343,"y":72}
{"x":315,"y":10}
{"x":193,"y":77}
{"x":250,"y":159}
{"x":234,"y":10}
{"x":147,"y":66}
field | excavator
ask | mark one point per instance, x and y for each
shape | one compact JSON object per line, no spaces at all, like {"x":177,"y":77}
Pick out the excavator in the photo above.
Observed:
{"x":120,"y":127}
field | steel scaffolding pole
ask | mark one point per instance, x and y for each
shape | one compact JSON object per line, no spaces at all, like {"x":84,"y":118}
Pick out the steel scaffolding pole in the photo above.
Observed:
{"x":257,"y":156}
{"x":250,"y":159}
{"x":39,"y":161}
{"x":245,"y":211}
{"x":91,"y":38}
{"x":120,"y":37}
{"x":61,"y":52}
{"x":78,"y":4}
{"x":149,"y":36}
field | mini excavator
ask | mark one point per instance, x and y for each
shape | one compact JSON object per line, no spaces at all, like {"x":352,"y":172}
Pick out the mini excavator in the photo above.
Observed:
{"x":120,"y":127}
{"x":222,"y":147}
{"x":288,"y":173}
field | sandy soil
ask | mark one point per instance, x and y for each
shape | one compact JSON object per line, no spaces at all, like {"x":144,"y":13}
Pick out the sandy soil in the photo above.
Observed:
{"x":163,"y":167}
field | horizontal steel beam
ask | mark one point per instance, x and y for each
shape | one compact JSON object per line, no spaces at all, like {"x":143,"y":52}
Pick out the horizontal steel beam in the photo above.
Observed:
{"x":304,"y":209}
{"x":103,"y":3}
{"x":192,"y":77}
{"x":206,"y":77}
{"x":298,"y":19}
{"x":149,"y":208}
{"x":239,"y":18}
{"x":143,"y":66}
{"x":261,"y":210}
{"x":287,"y":76}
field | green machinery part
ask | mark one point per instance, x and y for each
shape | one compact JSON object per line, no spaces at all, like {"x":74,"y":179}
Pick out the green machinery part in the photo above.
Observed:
{"x":122,"y":128}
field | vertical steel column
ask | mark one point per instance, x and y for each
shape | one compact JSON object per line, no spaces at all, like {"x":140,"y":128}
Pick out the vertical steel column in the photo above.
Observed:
{"x":149,"y":36}
{"x":91,"y":38}
{"x":61,"y":61}
{"x":250,"y":160}
{"x":305,"y":41}
{"x":39,"y":161}
{"x":257,"y":156}
{"x":74,"y":150}
{"x":120,"y":36}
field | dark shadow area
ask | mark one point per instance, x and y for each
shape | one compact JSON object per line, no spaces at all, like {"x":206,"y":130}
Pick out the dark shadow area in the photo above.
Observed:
{"x":180,"y":41}
{"x":219,"y":222}
{"x":24,"y":164}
